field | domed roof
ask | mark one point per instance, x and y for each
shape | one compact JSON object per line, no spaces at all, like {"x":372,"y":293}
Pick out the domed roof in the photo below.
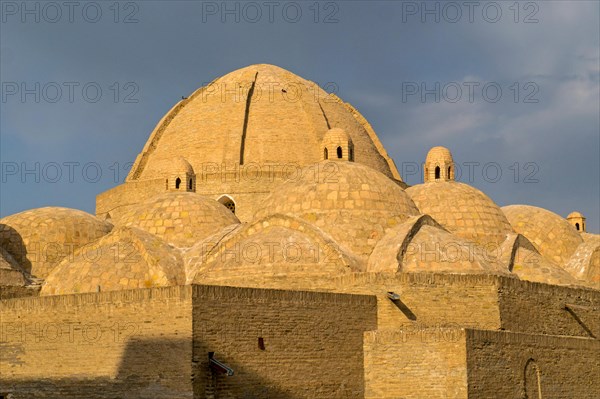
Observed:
{"x":551,"y":234}
{"x":524,"y":260}
{"x":439,"y":155}
{"x":279,"y":251}
{"x":127,"y":258}
{"x":336,"y":134}
{"x":351,"y":202}
{"x":462,"y":210}
{"x":421,"y":245}
{"x":180,"y":165}
{"x":259,"y":114}
{"x":39,"y":238}
{"x":575,"y":214}
{"x":179,"y":218}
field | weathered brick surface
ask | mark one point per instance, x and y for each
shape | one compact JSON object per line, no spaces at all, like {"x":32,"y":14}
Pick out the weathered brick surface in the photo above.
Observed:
{"x":106,"y":345}
{"x":551,"y":234}
{"x":38,"y":239}
{"x":154,"y":343}
{"x":126,"y":258}
{"x":416,"y":364}
{"x":313,"y":342}
{"x":504,"y":365}
{"x":536,"y":308}
{"x":13,"y":291}
{"x":467,"y":363}
{"x":463,"y":210}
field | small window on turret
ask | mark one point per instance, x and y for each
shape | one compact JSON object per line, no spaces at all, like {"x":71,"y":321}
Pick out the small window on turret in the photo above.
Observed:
{"x":351,"y":154}
{"x":190,"y":184}
{"x":339,"y":152}
{"x":449,"y":169}
{"x":437,"y":172}
{"x":326,"y":153}
{"x":577,"y":226}
{"x":177,"y":183}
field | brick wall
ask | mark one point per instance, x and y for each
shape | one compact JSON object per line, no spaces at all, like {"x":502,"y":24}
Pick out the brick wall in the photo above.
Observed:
{"x":466,"y":363}
{"x":312,"y":342}
{"x":416,"y":364}
{"x":508,"y":365}
{"x":536,"y":308}
{"x":98,"y":345}
{"x":138,"y":343}
{"x":12,"y":291}
{"x":426,"y":300}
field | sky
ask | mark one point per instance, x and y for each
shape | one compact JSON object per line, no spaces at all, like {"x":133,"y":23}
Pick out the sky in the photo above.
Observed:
{"x":511,"y":88}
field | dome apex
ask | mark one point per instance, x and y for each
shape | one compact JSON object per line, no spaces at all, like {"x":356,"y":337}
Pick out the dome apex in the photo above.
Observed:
{"x":439,"y":153}
{"x":260,"y":114}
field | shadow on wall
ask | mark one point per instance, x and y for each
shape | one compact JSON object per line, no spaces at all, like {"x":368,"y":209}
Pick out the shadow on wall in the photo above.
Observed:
{"x":12,"y":242}
{"x":150,"y":369}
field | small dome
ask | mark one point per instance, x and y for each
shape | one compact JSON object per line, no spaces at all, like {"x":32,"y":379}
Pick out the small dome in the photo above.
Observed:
{"x":180,"y":218}
{"x":180,"y":165}
{"x":462,"y":210}
{"x":127,"y":258}
{"x":575,"y":214}
{"x":276,"y":252}
{"x":40,"y":238}
{"x":551,"y":234}
{"x":351,"y":202}
{"x":336,"y":134}
{"x":439,"y":155}
{"x":421,"y":245}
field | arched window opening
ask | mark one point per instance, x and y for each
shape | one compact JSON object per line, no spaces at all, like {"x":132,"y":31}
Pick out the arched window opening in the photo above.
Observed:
{"x":339,"y":152}
{"x":326,"y":153}
{"x":437,"y":172}
{"x":190,"y":184}
{"x":449,"y":170}
{"x":228,"y":202}
{"x":532,"y":380}
{"x":177,"y":183}
{"x":351,"y":155}
{"x":577,"y":226}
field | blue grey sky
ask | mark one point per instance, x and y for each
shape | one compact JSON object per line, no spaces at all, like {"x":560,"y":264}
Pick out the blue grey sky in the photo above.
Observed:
{"x":530,"y":130}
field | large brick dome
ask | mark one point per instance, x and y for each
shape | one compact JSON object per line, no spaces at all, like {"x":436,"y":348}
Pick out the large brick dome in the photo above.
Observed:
{"x":260,"y":114}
